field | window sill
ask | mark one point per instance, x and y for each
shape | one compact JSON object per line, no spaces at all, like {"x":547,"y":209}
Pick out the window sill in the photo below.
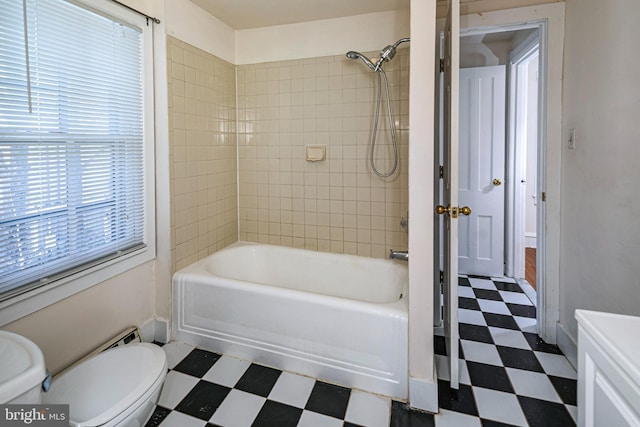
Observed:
{"x":24,"y":304}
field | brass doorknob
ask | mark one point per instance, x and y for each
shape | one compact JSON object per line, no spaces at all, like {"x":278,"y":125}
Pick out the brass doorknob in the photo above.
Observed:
{"x":465,"y":210}
{"x":497,"y":181}
{"x":441,"y":209}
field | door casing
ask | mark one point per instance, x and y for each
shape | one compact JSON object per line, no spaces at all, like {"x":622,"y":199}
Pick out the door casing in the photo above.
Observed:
{"x":515,"y":231}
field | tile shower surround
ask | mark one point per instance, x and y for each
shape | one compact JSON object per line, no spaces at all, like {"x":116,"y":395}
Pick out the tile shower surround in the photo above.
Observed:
{"x":336,"y":205}
{"x":202,"y":153}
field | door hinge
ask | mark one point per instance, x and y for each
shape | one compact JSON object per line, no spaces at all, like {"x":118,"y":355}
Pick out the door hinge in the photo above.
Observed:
{"x":442,"y":65}
{"x":441,"y":277}
{"x":543,"y":196}
{"x":441,"y":172}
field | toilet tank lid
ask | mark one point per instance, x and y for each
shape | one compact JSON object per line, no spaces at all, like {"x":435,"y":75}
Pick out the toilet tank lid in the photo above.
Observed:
{"x":21,"y":365}
{"x":102,"y":387}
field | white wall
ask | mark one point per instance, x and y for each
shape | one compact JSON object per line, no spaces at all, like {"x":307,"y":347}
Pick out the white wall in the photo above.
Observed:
{"x":369,"y":32}
{"x":600,"y":235}
{"x":71,"y":328}
{"x":189,"y":23}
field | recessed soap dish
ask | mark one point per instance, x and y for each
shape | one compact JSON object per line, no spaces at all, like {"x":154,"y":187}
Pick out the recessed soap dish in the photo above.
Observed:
{"x":315,"y":153}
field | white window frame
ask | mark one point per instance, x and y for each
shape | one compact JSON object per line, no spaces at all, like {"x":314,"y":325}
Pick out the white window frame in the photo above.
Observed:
{"x":36,"y":299}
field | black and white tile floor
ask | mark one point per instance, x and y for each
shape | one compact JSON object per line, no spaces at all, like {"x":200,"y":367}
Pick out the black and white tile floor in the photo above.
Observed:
{"x":508,"y":377}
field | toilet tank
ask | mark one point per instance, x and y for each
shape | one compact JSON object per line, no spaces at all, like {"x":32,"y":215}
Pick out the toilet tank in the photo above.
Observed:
{"x":22,"y":369}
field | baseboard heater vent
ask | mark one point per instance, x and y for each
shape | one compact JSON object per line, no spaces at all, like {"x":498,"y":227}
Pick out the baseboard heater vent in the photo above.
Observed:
{"x":125,"y":337}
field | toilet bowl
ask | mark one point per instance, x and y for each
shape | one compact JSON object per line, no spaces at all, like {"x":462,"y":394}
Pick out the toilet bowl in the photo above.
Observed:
{"x":118,"y":387}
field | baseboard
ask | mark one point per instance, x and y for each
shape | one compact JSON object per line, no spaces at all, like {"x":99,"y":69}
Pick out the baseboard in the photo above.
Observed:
{"x":155,"y":329}
{"x":567,"y":345}
{"x":530,"y":240}
{"x":423,"y":394}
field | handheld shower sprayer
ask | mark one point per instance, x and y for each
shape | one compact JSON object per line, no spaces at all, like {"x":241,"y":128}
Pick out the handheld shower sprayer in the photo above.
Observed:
{"x":386,"y":55}
{"x":357,"y":55}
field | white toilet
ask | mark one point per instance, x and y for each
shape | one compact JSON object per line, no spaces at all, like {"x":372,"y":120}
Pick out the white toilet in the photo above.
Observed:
{"x":118,"y":387}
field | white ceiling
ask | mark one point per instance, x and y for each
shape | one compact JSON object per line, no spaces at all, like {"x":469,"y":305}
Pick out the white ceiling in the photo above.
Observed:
{"x":245,"y":14}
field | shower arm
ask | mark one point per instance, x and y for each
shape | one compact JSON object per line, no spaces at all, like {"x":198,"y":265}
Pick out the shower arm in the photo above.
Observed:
{"x":402,"y":40}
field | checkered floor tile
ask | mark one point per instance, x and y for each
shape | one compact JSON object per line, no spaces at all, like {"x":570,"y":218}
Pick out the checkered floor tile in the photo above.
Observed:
{"x":208,"y":389}
{"x":509,"y":377}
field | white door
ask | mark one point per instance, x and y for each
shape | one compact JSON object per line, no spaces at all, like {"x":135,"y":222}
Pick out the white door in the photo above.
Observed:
{"x":449,"y":209}
{"x":482,"y":170}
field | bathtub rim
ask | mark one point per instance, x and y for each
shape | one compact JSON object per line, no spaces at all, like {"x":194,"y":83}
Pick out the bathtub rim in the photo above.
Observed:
{"x":198,"y":271}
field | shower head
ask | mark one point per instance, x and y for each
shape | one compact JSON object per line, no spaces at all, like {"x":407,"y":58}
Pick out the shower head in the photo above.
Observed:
{"x":389,"y":51}
{"x":357,"y":55}
{"x":353,"y":55}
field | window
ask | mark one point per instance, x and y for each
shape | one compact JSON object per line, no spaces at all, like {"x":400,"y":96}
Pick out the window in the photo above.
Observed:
{"x":76,"y":142}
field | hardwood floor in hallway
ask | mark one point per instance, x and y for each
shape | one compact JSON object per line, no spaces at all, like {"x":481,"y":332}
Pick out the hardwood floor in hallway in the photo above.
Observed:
{"x":530,"y":266}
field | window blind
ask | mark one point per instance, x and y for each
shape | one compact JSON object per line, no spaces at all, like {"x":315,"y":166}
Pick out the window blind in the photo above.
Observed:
{"x":71,"y":141}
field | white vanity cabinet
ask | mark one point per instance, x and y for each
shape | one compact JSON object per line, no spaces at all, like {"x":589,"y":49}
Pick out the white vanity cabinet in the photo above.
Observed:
{"x":608,"y":369}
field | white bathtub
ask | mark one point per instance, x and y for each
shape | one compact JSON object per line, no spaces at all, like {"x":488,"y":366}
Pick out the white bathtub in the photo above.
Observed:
{"x":340,"y":318}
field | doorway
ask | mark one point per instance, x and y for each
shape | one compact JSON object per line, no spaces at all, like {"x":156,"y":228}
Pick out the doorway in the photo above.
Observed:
{"x":499,"y":152}
{"x":500,"y":167}
{"x":523,"y":146}
{"x":549,"y":21}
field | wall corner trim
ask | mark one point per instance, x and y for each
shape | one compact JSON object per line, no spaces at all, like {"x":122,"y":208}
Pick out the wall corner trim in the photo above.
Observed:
{"x":423,"y":394}
{"x":156,"y":329}
{"x":567,"y":345}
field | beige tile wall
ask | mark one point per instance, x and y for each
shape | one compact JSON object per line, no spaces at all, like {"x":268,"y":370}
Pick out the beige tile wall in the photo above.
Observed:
{"x":203,"y":153}
{"x":335,"y":205}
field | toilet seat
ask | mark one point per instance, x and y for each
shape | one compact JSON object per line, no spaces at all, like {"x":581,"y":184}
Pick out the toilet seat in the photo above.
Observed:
{"x":107,"y":388}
